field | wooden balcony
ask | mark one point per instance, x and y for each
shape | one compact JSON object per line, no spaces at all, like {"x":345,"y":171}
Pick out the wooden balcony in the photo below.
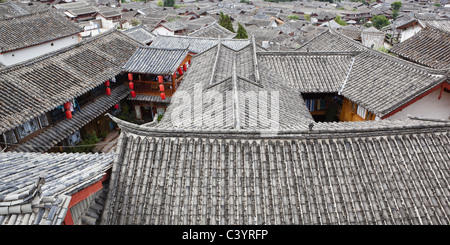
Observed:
{"x":152,"y":87}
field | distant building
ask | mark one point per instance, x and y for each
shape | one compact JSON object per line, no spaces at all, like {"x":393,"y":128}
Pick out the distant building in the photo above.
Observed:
{"x":27,"y":36}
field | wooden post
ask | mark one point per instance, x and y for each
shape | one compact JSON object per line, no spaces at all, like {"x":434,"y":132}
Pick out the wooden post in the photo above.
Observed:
{"x":174,"y":78}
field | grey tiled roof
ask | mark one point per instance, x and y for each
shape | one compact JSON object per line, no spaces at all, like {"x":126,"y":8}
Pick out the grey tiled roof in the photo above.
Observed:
{"x":31,"y":88}
{"x":174,"y":25}
{"x":10,"y":9}
{"x":196,"y":44}
{"x":32,"y":29}
{"x":357,"y":176}
{"x":35,"y":188}
{"x":63,"y":129}
{"x":149,"y":60}
{"x":140,"y":34}
{"x":310,"y":72}
{"x":440,"y":24}
{"x":83,"y":10}
{"x":393,"y":81}
{"x":222,"y":72}
{"x":429,"y":47}
{"x":214,"y":30}
{"x":329,"y":42}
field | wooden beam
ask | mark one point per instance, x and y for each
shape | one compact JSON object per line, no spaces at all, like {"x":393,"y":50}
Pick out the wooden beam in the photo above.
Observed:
{"x":68,"y":219}
{"x":83,"y":194}
{"x":445,"y":85}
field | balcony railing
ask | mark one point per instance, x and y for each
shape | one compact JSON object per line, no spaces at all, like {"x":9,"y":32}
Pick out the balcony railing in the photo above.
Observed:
{"x":152,"y":87}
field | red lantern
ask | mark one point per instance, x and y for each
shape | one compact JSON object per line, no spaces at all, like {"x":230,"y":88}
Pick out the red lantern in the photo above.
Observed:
{"x":107,"y":83}
{"x":130,"y":76}
{"x":116,"y":106}
{"x":180,"y":71}
{"x":67,"y":105}
{"x":184,"y":67}
{"x":68,"y":114}
{"x":133,"y":94}
{"x":108,"y":91}
{"x":131,"y":85}
{"x":160,"y":79}
{"x":163,"y":96}
{"x":161,"y":87}
{"x":189,"y":62}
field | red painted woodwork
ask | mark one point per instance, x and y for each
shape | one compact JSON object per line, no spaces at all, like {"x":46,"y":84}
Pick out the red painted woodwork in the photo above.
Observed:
{"x":445,"y":85}
{"x":68,"y":219}
{"x":68,"y":114}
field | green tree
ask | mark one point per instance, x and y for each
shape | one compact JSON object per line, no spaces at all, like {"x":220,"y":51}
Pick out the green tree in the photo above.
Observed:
{"x":379,"y":21}
{"x":307,"y":17}
{"x":241,"y":32}
{"x":225,"y":21}
{"x":169,"y":3}
{"x":396,"y":5}
{"x":394,"y":14}
{"x":340,"y":21}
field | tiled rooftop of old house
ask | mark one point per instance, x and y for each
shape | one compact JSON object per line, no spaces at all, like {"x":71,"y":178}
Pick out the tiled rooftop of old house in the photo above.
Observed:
{"x":32,"y":29}
{"x":33,"y":87}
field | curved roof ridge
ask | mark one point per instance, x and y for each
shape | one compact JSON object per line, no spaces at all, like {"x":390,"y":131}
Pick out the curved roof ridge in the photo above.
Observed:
{"x":314,"y":129}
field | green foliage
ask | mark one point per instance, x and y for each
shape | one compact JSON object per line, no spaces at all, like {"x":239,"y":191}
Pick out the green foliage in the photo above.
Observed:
{"x":225,"y":21}
{"x":383,"y":49}
{"x":174,"y":18}
{"x":126,"y":114}
{"x":340,"y":21}
{"x":169,"y":3}
{"x":135,"y":22}
{"x":379,"y":21}
{"x":103,"y":134}
{"x":245,"y":1}
{"x":85,"y":145}
{"x":241,"y":32}
{"x":394,"y":14}
{"x":293,"y":17}
{"x":367,"y":25}
{"x":396,"y":5}
{"x":437,"y":5}
{"x":160,"y":3}
{"x":307,"y":17}
{"x":361,"y":20}
{"x":159,"y":117}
